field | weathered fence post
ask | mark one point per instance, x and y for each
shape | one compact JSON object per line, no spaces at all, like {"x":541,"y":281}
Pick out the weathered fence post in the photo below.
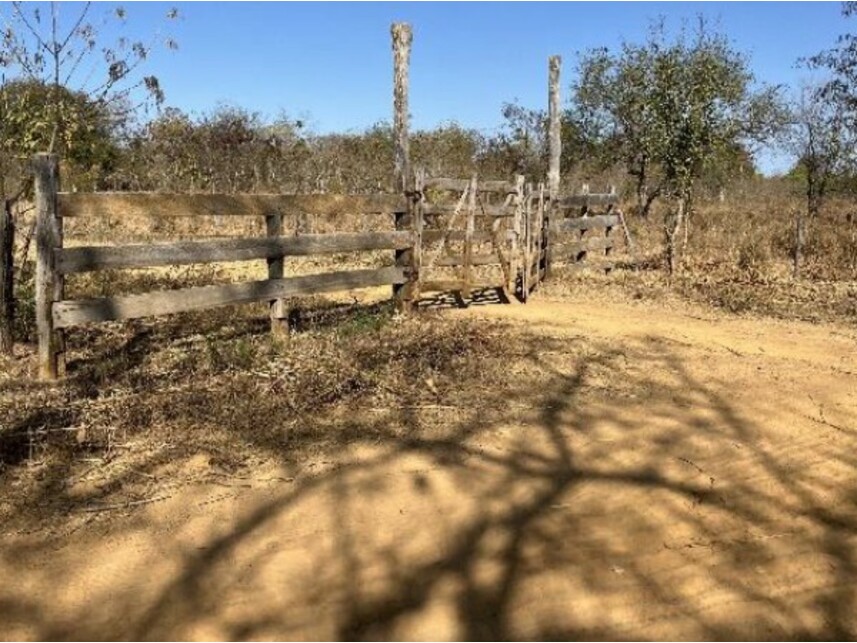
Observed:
{"x":49,"y":282}
{"x":276,"y":270}
{"x":517,"y":244}
{"x":402,"y":37}
{"x":528,"y":240}
{"x":468,"y":236}
{"x":608,"y":230}
{"x":418,"y":221}
{"x":554,"y":126}
{"x":544,"y":246}
{"x":7,"y":295}
{"x":554,"y":141}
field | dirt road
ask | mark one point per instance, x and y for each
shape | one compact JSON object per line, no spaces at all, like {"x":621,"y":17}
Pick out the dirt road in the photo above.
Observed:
{"x":650,"y":473}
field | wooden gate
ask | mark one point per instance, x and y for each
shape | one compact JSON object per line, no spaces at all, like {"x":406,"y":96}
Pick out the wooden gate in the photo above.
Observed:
{"x":534,"y":247}
{"x":470,"y":234}
{"x":475,"y":235}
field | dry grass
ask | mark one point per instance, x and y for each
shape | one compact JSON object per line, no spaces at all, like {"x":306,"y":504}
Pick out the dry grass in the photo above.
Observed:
{"x":216,"y":383}
{"x":738,"y":258}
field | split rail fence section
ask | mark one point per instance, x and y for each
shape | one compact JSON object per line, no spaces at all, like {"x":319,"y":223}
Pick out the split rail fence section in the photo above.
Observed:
{"x":54,"y":312}
{"x":498,"y":234}
{"x":580,"y":233}
{"x":451,"y":235}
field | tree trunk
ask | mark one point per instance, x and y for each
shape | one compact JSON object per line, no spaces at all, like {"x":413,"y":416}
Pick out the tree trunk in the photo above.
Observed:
{"x":688,"y":212}
{"x":7,"y":281}
{"x":672,"y":226}
{"x":642,"y":210}
{"x":800,"y":239}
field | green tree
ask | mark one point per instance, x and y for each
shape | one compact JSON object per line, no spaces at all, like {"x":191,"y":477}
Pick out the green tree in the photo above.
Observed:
{"x":86,"y":142}
{"x":60,"y":80}
{"x":671,"y":108}
{"x":840,"y":62}
{"x":612,"y":102}
{"x":821,"y":139}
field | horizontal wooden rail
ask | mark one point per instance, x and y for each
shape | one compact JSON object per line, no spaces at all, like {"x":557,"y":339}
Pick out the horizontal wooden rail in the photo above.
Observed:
{"x":588,"y":223}
{"x":90,"y":258}
{"x":561,"y":245}
{"x":438,"y":183}
{"x":125,"y":204}
{"x":590,"y":266}
{"x":475,"y":260}
{"x":481,"y":210}
{"x":72,"y":313}
{"x":433,"y":235}
{"x":580,"y":200}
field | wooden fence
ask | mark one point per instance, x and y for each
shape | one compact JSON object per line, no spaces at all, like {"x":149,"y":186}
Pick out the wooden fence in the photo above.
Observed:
{"x":498,"y":234}
{"x":54,"y":262}
{"x":446,"y":235}
{"x":580,"y":234}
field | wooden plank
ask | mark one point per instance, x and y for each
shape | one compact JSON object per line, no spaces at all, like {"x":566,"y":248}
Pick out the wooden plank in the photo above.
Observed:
{"x":468,"y":237}
{"x":475,"y":260}
{"x":562,"y":245}
{"x":482,"y":210}
{"x":498,"y":186}
{"x":588,"y":223}
{"x":583,"y":200}
{"x":90,"y":258}
{"x":590,"y":266}
{"x":72,"y":313}
{"x":49,"y":283}
{"x":129,"y":204}
{"x":528,"y":242}
{"x":433,"y":235}
{"x":418,"y":224}
{"x":440,"y":183}
{"x":544,"y":246}
{"x":460,"y":185}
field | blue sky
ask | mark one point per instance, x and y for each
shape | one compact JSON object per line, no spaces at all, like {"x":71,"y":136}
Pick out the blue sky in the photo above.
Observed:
{"x":330,"y":63}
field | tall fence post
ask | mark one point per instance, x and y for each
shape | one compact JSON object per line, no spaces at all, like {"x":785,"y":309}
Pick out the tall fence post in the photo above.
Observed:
{"x":7,"y":295}
{"x":276,"y":270}
{"x":554,"y":126}
{"x":402,"y":37}
{"x":49,"y":282}
{"x":554,"y":142}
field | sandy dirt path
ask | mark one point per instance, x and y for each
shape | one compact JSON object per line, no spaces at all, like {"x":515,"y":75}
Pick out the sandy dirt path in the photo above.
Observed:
{"x":650,"y":473}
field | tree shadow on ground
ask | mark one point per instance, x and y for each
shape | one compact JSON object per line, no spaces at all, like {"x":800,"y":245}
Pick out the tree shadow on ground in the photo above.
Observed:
{"x":603,"y":493}
{"x":447,"y":300}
